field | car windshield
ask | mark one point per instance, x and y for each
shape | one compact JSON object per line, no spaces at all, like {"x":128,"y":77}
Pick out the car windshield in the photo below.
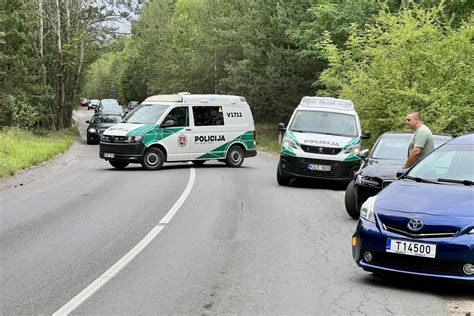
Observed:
{"x":324,"y":123}
{"x":109,"y":103}
{"x":106,"y":119}
{"x":450,"y":162}
{"x":395,"y":146}
{"x":146,"y":114}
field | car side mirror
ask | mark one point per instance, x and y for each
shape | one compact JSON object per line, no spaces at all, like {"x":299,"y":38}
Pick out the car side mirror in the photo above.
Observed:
{"x":364,"y":154}
{"x":168,"y":123}
{"x":365,"y":135}
{"x":281,"y":127}
{"x":88,"y":122}
{"x":402,"y":172}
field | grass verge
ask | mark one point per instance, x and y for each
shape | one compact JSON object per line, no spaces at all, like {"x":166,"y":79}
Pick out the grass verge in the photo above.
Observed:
{"x":20,"y":149}
{"x":267,"y":137}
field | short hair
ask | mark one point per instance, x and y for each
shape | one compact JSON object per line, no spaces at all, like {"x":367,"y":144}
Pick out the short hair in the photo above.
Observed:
{"x":416,"y":115}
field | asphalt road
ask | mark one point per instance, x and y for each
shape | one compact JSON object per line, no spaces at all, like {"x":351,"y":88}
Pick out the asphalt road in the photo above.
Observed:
{"x":238,"y":244}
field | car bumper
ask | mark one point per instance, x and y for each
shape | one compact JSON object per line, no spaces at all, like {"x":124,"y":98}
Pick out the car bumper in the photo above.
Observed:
{"x":250,"y":153}
{"x":362,"y":193}
{"x":368,"y":237}
{"x":298,"y":167}
{"x":131,"y":152}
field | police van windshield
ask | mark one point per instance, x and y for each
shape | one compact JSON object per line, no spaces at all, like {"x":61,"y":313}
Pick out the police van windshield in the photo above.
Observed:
{"x":329,"y":123}
{"x":146,"y":114}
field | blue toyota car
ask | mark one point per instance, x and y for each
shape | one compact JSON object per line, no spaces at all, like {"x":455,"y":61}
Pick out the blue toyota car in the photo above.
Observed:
{"x":423,"y":223}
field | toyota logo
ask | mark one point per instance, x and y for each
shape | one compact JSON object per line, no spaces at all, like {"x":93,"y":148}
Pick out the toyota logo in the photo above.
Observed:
{"x":415,"y":225}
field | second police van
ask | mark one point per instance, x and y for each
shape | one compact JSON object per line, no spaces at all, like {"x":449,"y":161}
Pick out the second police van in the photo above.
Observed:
{"x":322,"y":141}
{"x":182,"y":127}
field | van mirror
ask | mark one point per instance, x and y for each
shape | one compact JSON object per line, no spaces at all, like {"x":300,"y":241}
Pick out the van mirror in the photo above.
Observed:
{"x":168,"y":123}
{"x":365,"y":135}
{"x":364,"y":154}
{"x":402,"y":172}
{"x":281,"y":127}
{"x":88,"y":122}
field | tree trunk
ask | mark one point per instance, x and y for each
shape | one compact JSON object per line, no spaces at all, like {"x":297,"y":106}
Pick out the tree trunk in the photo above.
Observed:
{"x":62,"y":86}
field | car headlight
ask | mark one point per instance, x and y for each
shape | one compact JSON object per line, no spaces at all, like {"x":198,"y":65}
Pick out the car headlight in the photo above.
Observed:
{"x":92,"y":130}
{"x":355,"y":149}
{"x":289,"y":143}
{"x":360,"y":179}
{"x":471,"y":231}
{"x":133,"y":139}
{"x":367,"y":210}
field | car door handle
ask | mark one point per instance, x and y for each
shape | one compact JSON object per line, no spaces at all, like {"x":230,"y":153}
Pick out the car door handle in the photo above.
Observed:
{"x":188,"y":129}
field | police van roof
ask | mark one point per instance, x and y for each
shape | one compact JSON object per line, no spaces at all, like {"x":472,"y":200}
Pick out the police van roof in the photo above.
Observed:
{"x":327,"y":102}
{"x":196,"y":98}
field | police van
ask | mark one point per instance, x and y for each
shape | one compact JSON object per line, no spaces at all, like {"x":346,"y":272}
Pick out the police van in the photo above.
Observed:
{"x":322,"y":141}
{"x":182,"y":127}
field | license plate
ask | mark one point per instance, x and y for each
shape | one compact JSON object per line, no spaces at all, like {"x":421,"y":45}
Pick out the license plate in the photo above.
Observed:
{"x":107,"y":155}
{"x":315,"y":167}
{"x":411,"y":248}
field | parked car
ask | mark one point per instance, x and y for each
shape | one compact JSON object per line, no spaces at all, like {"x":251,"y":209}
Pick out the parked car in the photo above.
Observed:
{"x":132,"y":105}
{"x":379,"y":167}
{"x":98,"y":124}
{"x":107,"y":103}
{"x":423,"y":223}
{"x":93,"y":104}
{"x":84,"y":102}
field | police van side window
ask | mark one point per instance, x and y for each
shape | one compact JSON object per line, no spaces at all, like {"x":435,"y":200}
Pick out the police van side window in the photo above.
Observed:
{"x":180,"y":116}
{"x":208,"y":115}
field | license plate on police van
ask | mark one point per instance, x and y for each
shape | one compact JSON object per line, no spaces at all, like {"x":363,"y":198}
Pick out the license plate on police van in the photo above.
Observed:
{"x":107,"y":155}
{"x":411,"y":248}
{"x":315,"y":167}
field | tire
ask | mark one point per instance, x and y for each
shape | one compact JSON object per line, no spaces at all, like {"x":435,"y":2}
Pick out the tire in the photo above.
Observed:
{"x":350,"y":201}
{"x":199,"y":162}
{"x":118,"y":164}
{"x":153,"y":159}
{"x":235,"y":156}
{"x":282,"y":180}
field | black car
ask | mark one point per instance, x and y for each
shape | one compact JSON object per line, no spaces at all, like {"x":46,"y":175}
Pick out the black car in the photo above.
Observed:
{"x":98,"y":124}
{"x":379,"y":167}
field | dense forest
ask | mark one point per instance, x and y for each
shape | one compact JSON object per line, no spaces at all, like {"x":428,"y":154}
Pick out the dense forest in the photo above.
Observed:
{"x":388,"y":56}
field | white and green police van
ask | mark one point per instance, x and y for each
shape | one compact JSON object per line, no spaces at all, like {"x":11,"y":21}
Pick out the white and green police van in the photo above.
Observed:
{"x":322,"y":141}
{"x":182,"y":127}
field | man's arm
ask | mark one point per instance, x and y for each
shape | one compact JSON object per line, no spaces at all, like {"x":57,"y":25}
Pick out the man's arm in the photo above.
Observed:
{"x":415,"y":153}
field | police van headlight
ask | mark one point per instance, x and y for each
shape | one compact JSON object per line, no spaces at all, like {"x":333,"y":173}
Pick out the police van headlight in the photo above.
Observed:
{"x":355,"y":149}
{"x":367,"y":211}
{"x":133,"y":139}
{"x":92,"y":130}
{"x":289,"y":143}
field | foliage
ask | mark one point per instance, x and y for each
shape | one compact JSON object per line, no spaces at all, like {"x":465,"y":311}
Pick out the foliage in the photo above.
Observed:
{"x":409,"y":60}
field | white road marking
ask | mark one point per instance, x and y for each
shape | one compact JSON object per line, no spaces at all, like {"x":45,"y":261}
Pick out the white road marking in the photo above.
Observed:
{"x":122,"y":263}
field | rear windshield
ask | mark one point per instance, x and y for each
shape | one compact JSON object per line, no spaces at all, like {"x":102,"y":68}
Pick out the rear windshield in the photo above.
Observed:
{"x":324,"y":123}
{"x":146,"y":114}
{"x":109,"y":102}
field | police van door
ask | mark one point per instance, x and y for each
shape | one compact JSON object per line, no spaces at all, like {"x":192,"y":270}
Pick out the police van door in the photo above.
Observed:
{"x":176,"y":134}
{"x":208,"y":132}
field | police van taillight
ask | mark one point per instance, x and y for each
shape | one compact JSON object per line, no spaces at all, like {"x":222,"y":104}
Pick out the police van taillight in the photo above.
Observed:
{"x":254,"y":135}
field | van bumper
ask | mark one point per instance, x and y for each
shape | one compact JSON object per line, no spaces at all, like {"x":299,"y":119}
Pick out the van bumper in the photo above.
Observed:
{"x":250,"y":153}
{"x":298,"y":167}
{"x":131,"y":152}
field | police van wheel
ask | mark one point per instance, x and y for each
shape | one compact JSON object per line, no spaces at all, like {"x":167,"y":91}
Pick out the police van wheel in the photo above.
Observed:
{"x":281,"y":179}
{"x":350,"y":201}
{"x":235,"y":157}
{"x":153,"y":159}
{"x":118,"y":164}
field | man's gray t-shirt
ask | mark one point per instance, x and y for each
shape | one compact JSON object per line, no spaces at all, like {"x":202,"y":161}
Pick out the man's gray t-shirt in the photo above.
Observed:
{"x":423,"y":138}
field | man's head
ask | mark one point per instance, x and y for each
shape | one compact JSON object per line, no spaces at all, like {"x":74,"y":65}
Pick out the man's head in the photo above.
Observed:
{"x":414,"y":120}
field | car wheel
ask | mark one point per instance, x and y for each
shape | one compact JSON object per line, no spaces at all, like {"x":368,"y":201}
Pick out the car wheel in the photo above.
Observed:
{"x":118,"y":164}
{"x":235,"y":156}
{"x":350,"y":201}
{"x":153,"y":159}
{"x":282,"y":180}
{"x":199,"y":162}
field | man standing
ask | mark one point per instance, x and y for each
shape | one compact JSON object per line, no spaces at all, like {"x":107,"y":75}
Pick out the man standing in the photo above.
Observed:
{"x":421,"y":143}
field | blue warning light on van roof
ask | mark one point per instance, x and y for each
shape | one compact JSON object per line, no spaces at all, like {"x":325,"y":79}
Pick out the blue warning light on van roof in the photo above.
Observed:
{"x":327,"y":102}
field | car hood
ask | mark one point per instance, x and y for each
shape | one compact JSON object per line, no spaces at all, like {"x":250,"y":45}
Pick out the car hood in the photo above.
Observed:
{"x":383,"y":169}
{"x":323,"y":140}
{"x":425,"y":198}
{"x":102,"y":125}
{"x":124,"y":129}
